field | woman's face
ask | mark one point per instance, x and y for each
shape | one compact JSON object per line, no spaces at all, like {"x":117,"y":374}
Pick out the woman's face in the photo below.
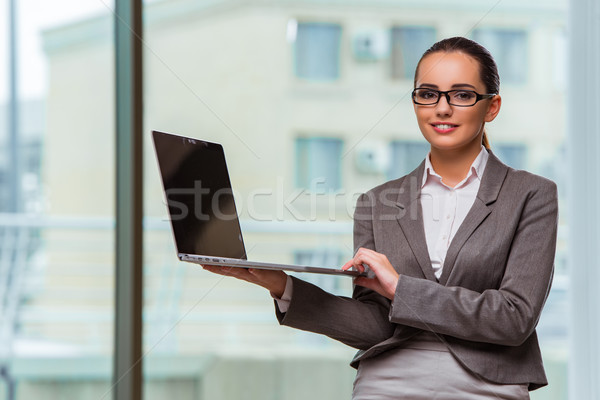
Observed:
{"x":446,"y":127}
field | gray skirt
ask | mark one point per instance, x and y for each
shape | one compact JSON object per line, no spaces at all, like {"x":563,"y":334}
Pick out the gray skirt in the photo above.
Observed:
{"x":425,"y":369}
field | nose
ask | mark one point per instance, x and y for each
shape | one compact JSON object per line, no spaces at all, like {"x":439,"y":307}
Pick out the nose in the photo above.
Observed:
{"x":443,"y":107}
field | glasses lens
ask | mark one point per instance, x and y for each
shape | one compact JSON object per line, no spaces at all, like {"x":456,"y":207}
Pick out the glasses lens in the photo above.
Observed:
{"x":462,"y":97}
{"x":426,"y":96}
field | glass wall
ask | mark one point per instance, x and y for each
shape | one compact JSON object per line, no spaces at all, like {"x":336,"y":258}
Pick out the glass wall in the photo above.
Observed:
{"x":311,"y":101}
{"x":56,"y":200}
{"x":296,"y":93}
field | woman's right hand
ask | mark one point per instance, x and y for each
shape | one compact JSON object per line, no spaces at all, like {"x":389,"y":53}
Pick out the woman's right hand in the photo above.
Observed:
{"x":273,"y":281}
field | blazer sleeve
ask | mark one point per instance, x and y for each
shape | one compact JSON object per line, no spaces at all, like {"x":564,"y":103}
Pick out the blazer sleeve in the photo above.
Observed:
{"x":361,"y":321}
{"x":507,"y":315}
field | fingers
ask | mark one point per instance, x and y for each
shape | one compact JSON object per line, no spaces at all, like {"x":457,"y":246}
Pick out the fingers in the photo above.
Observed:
{"x":217,"y":269}
{"x":371,"y":258}
{"x":386,"y":278}
{"x":367,"y":257}
{"x":274,"y":281}
{"x":240,"y":273}
{"x":350,"y":264}
{"x":366,"y":282}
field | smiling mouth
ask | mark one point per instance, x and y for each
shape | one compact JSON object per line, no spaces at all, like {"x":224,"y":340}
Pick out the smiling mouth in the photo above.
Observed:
{"x":444,"y":127}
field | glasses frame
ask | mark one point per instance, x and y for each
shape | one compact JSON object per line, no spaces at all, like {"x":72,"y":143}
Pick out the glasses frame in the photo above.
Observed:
{"x":446,"y":94}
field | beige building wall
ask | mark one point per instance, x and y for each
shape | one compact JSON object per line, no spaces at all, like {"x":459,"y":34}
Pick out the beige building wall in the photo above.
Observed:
{"x":223,"y":71}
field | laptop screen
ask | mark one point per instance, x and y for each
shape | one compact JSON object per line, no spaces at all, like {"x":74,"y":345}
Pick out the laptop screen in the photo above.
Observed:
{"x":199,"y":196}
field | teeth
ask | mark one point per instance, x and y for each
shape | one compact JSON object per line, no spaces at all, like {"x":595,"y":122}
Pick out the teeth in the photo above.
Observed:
{"x":444,"y":126}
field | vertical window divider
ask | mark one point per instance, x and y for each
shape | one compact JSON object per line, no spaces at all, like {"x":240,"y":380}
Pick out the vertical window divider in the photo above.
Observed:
{"x":583,"y":193}
{"x":127,"y":361}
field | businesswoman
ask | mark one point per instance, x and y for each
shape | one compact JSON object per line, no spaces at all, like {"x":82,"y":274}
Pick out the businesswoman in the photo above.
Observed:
{"x":461,"y":253}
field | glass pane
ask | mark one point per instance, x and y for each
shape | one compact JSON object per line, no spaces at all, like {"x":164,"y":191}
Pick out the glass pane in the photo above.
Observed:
{"x":323,"y":257}
{"x":514,"y":155}
{"x":230,"y":75}
{"x":56,"y":242}
{"x":509,"y":48}
{"x":406,"y":156}
{"x":318,"y":163}
{"x":408,"y":44}
{"x":317,"y":51}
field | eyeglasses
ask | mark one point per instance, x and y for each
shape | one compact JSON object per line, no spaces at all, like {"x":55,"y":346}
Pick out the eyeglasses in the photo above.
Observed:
{"x":459,"y":98}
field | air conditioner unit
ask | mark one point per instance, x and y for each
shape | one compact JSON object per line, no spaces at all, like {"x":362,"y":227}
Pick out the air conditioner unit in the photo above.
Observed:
{"x":371,"y":45}
{"x":373,"y":158}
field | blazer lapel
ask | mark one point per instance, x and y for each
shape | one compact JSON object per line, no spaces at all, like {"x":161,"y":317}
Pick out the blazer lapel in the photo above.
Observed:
{"x":410,"y":219}
{"x":491,"y":182}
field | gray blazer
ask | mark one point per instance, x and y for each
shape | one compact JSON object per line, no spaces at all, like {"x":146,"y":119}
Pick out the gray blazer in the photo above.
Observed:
{"x":487,"y":302}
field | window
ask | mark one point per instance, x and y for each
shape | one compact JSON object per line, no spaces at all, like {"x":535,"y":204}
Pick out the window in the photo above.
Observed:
{"x":560,"y":59}
{"x":281,"y":120}
{"x":28,"y":156}
{"x":325,"y":257}
{"x":57,"y":236}
{"x":408,"y":45}
{"x":317,"y":51}
{"x":406,"y":156}
{"x":509,"y":49}
{"x":318,"y":164}
{"x":513,"y":155}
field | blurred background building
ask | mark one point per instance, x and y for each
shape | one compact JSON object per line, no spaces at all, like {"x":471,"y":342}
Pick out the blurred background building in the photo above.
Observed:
{"x":311,"y":100}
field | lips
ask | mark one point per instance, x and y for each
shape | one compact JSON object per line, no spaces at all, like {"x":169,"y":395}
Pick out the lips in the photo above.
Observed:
{"x":444,"y":127}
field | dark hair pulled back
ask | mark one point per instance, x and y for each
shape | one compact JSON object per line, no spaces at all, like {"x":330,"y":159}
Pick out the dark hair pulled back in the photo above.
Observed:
{"x":488,"y":70}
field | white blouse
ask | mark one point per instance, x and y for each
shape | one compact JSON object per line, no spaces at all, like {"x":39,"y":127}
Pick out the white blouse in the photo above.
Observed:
{"x":445,"y":208}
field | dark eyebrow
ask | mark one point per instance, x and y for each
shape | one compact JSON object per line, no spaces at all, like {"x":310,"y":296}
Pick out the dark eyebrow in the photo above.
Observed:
{"x":459,"y":85}
{"x":428,"y":85}
{"x":456,"y":85}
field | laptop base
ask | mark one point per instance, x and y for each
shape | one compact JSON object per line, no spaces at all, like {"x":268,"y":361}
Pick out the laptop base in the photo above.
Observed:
{"x":234,"y":262}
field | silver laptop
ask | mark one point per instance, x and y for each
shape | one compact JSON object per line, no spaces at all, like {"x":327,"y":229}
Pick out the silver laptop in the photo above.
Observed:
{"x":202,"y":209}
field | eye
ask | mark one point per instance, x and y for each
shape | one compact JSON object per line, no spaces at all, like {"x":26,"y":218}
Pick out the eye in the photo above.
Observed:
{"x":426,"y":94}
{"x":463,"y":95}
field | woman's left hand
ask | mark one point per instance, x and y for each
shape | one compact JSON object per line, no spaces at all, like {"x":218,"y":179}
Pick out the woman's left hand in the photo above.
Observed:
{"x":386,"y":277}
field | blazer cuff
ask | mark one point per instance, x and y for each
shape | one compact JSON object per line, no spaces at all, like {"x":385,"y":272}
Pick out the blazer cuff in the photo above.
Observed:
{"x":399,"y":307}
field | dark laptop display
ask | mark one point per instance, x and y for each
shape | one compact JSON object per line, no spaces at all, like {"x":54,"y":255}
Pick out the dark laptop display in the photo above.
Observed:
{"x":199,"y":197}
